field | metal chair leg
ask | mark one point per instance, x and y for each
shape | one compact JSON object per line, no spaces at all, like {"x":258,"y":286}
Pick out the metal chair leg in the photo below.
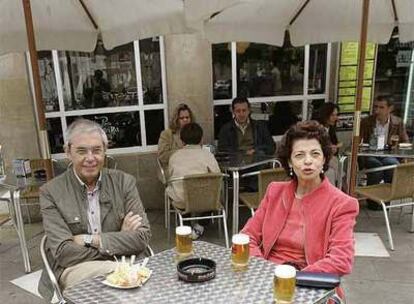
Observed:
{"x":387,"y":223}
{"x":226,"y":234}
{"x":252,"y":211}
{"x":168,"y":217}
{"x":180,"y":217}
{"x":166,"y":211}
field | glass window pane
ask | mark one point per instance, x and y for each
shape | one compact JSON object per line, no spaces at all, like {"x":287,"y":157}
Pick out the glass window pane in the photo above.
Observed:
{"x":122,"y":129}
{"x":222,"y":86}
{"x":265,"y":70}
{"x":154,"y":124}
{"x":99,"y":79}
{"x":55,"y":134}
{"x":222,"y":114}
{"x":284,"y":115}
{"x":313,"y":108}
{"x":392,"y":72}
{"x":151,"y":70}
{"x":48,"y":81}
{"x":317,"y":68}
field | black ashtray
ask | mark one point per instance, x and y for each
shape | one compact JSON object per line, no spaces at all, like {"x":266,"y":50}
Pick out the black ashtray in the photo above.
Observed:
{"x":196,"y":270}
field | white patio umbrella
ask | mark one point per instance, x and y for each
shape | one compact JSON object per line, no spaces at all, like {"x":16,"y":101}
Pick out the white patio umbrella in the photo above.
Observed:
{"x":76,"y":24}
{"x":33,"y":25}
{"x":308,"y":21}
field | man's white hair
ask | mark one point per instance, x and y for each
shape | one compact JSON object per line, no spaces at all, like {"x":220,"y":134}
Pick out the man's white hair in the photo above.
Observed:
{"x":81,"y":126}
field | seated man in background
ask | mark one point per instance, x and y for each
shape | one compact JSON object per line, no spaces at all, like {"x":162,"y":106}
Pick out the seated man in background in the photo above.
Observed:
{"x":381,"y":124}
{"x":191,"y":159}
{"x":243,"y":133}
{"x":89,"y":213}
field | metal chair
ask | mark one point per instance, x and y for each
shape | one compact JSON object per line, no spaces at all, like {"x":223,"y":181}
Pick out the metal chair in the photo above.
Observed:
{"x":163,"y":178}
{"x":51,"y":274}
{"x":252,"y":199}
{"x":110,"y":162}
{"x":402,"y":187}
{"x":201,"y":194}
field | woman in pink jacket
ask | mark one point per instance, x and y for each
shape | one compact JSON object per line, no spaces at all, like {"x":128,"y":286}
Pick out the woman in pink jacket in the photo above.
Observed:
{"x":305,"y":222}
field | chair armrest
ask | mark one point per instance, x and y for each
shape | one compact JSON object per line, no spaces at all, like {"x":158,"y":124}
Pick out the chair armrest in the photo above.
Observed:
{"x":377,"y":169}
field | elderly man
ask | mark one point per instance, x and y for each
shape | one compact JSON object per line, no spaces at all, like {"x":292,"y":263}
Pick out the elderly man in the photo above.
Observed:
{"x":385,"y":125}
{"x":244,"y":134}
{"x":90,"y":214}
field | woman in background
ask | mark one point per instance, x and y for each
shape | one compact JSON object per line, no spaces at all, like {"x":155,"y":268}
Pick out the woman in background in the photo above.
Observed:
{"x":170,"y":140}
{"x":328,"y":117}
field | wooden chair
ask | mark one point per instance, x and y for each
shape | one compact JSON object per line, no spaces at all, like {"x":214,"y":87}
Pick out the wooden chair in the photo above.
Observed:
{"x":402,"y":187}
{"x":202,"y":193}
{"x":252,"y":199}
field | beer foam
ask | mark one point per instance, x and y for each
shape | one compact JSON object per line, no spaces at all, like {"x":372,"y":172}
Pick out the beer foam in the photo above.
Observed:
{"x":285,"y":271}
{"x":240,"y":239}
{"x":183,"y":230}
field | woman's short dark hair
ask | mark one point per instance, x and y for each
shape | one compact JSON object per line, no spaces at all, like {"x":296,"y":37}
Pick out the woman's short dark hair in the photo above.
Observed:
{"x":325,"y":111}
{"x":309,"y":129}
{"x":191,"y":134}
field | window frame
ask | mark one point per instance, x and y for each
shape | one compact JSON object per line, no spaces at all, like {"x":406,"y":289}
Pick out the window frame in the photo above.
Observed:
{"x":140,"y":107}
{"x":306,"y":98}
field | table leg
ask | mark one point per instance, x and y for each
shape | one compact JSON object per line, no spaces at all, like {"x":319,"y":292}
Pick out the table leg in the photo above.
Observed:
{"x":412,"y":220}
{"x":15,"y":197}
{"x":341,"y":171}
{"x":235,"y":202}
{"x":226,"y":195}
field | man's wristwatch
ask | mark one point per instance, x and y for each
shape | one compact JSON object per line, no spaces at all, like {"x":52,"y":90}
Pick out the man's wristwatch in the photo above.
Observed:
{"x":87,"y":240}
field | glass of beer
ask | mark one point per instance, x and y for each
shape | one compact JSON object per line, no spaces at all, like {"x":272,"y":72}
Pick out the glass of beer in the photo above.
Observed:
{"x":284,"y":283}
{"x":183,"y":241}
{"x":240,"y":250}
{"x":395,"y":139}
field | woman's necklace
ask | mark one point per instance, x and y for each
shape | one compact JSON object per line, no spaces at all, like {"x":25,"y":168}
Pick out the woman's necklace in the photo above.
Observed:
{"x":298,"y":196}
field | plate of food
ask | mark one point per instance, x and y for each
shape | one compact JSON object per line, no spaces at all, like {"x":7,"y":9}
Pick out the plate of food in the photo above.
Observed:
{"x":405,"y":145}
{"x":126,"y":276}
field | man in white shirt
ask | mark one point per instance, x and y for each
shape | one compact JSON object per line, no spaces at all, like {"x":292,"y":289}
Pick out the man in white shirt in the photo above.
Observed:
{"x":384,"y":126}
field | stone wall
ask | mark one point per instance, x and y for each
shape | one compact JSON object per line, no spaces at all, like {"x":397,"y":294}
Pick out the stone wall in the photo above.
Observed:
{"x":18,"y":134}
{"x":189,"y":78}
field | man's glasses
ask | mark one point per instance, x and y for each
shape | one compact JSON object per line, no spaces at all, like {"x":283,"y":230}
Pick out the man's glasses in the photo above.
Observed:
{"x":84,"y":151}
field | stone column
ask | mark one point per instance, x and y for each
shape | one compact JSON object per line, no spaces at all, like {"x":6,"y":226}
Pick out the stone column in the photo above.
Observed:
{"x":189,"y":78}
{"x":18,"y":134}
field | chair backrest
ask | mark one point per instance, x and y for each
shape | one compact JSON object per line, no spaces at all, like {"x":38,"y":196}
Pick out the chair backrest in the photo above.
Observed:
{"x":110,"y":162}
{"x":270,"y":175}
{"x":161,"y":172}
{"x":403,"y":181}
{"x":49,"y":271}
{"x":202,"y":192}
{"x":42,"y":167}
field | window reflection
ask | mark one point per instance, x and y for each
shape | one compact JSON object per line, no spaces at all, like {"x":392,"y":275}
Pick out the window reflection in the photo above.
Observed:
{"x":313,"y":108}
{"x":122,"y":129}
{"x":265,"y":70}
{"x":99,"y":79}
{"x":222,"y":86}
{"x":284,"y":115}
{"x":48,"y":81}
{"x":55,"y":134}
{"x":222,"y":114}
{"x":154,"y":124}
{"x":151,"y":70}
{"x":317,"y":68}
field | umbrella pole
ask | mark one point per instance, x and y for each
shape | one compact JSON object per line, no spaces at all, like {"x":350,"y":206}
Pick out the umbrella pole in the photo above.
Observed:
{"x":41,"y":119}
{"x":360,"y":83}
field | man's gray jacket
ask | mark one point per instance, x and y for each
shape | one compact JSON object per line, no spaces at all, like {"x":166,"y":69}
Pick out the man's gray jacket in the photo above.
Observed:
{"x":63,"y":203}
